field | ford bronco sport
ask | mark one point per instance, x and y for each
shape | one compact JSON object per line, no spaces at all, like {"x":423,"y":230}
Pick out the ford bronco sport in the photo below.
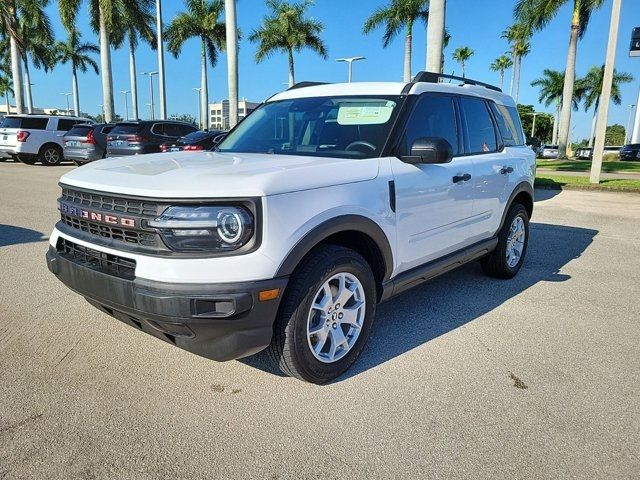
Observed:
{"x":323,"y":202}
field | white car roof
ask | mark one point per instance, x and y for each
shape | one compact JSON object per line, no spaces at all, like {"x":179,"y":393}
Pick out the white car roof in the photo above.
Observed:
{"x":37,"y":115}
{"x":391,"y":88}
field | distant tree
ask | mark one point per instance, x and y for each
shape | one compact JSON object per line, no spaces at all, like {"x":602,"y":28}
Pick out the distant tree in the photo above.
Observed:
{"x":184,"y":117}
{"x":461,"y":55}
{"x":614,"y":135}
{"x":544,"y":123}
{"x":5,"y":90}
{"x":500,"y":64}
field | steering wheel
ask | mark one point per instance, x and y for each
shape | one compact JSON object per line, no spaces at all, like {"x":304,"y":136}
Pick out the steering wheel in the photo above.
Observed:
{"x":360,"y":143}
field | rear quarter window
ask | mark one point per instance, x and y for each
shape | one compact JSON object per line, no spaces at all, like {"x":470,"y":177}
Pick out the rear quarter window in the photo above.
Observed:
{"x":79,"y":131}
{"x":126,"y":129}
{"x":65,"y":125}
{"x":509,"y":125}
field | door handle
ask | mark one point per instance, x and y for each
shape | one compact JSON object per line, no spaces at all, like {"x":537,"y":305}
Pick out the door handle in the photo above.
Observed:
{"x":505,"y":170}
{"x":461,"y":178}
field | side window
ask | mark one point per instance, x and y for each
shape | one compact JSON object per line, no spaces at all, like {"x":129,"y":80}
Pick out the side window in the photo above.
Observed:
{"x":65,"y":124}
{"x":433,"y":116}
{"x":34,"y":123}
{"x":509,"y":124}
{"x":481,"y":134}
{"x":185,"y":130}
{"x":159,"y":129}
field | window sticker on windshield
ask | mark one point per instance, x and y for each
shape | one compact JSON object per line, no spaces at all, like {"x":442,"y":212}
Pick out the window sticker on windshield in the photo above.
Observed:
{"x":363,"y":114}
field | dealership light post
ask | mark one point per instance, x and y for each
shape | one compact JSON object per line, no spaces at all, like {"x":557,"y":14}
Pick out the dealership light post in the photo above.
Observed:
{"x":68,"y":107}
{"x":629,"y":127}
{"x":198,"y":90}
{"x":634,"y":51}
{"x":151,"y":106}
{"x":160,"y":48}
{"x":350,"y":61}
{"x":126,"y":103}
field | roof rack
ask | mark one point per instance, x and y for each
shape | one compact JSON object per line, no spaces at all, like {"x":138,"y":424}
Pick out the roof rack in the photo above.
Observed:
{"x":433,"y":77}
{"x":305,"y":84}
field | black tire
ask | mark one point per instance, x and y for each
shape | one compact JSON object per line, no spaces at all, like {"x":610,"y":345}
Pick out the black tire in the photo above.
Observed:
{"x":495,"y":264}
{"x":50,"y":155}
{"x":290,"y":348}
{"x":27,"y":159}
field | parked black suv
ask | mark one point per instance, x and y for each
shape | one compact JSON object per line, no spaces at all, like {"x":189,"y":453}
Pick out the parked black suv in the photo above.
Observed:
{"x":630,"y":151}
{"x":195,"y":141}
{"x":144,"y":136}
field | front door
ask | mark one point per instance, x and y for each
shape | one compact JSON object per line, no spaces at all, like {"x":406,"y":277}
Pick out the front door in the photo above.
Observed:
{"x":434,"y":202}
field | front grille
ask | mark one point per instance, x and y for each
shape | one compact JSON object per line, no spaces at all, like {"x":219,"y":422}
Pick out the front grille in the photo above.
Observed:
{"x":103,"y":262}
{"x":110,"y":204}
{"x":138,"y":238}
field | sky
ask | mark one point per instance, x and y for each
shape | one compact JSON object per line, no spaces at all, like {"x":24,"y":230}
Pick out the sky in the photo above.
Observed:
{"x":477,"y":24}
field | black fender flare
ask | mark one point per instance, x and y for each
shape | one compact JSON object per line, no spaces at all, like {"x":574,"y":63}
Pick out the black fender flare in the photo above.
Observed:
{"x":523,"y":186}
{"x":332,"y":226}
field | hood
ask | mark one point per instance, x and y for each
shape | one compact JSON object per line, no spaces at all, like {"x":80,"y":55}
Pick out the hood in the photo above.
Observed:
{"x":213,"y":174}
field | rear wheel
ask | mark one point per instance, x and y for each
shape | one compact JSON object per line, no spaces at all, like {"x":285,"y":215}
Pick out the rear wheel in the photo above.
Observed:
{"x":50,"y":155}
{"x":507,"y":259}
{"x":326,"y":315}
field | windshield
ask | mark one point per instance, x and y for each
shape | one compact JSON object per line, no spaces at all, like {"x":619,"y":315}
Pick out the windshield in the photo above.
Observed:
{"x":126,"y":128}
{"x":347,"y":127}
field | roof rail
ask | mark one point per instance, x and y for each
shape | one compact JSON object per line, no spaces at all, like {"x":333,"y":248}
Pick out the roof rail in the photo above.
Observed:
{"x":306,"y":84}
{"x":433,"y":77}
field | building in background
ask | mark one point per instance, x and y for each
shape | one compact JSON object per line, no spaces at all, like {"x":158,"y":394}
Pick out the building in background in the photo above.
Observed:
{"x":219,"y":113}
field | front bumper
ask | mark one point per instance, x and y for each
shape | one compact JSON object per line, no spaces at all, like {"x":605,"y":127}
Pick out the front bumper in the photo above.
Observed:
{"x":217,"y":321}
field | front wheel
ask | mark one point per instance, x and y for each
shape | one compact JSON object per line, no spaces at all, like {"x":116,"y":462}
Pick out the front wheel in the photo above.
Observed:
{"x":326,"y":315}
{"x":507,"y":259}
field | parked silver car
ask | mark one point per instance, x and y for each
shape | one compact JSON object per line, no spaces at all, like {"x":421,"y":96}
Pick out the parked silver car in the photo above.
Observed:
{"x":548,"y":151}
{"x":86,"y":142}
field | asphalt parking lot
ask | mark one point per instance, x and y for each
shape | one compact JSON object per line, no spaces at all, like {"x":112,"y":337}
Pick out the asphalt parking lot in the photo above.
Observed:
{"x":464,"y":377}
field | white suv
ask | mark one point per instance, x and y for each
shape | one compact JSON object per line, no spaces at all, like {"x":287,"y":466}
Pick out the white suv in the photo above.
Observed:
{"x":30,"y":138}
{"x":325,"y":201}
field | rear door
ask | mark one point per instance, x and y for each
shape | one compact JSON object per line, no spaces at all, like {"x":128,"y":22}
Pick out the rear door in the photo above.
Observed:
{"x":433,"y":201}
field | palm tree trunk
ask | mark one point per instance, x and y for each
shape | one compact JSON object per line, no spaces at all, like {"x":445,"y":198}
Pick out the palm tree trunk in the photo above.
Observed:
{"x":292,"y":73}
{"x":435,"y":35}
{"x":501,"y":78}
{"x":593,"y":126}
{"x":76,"y":93}
{"x":27,"y":82}
{"x":514,"y":59}
{"x":567,"y":91}
{"x":516,"y":81}
{"x":232,"y":59}
{"x":16,"y":74}
{"x":204,"y":92}
{"x":162,"y":92}
{"x":105,"y":69}
{"x":554,"y":137}
{"x":6,"y":101}
{"x":134,"y":82}
{"x":463,"y":69}
{"x":406,"y":76}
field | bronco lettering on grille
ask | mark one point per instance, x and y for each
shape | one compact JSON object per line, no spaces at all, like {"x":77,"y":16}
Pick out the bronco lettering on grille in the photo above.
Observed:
{"x":96,"y":216}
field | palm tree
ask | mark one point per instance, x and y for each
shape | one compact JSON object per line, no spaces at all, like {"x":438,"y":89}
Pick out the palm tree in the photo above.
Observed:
{"x":108,"y":19}
{"x":398,"y":15}
{"x":500,"y":64}
{"x":12,"y":12}
{"x":5,"y":90}
{"x":551,"y":86}
{"x":37,"y":41}
{"x":287,"y":30}
{"x":201,"y":20}
{"x":537,"y":14}
{"x":461,"y":55}
{"x":232,"y":59}
{"x":138,"y":25}
{"x":592,"y":86}
{"x":518,"y":37}
{"x":435,"y":35}
{"x":79,"y":56}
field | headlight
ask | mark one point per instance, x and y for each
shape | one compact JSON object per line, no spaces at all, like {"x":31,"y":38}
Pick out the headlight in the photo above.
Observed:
{"x":205,"y":228}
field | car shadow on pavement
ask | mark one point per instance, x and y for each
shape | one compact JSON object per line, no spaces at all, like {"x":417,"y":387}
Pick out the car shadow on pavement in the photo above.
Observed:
{"x":12,"y":235}
{"x":457,"y":298}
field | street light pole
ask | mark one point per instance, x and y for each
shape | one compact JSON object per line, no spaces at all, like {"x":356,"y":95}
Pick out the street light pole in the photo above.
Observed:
{"x":533,"y":125}
{"x":350,"y":61}
{"x":151,"y":106}
{"x":627,"y":130}
{"x":605,"y":95}
{"x":67,"y":98}
{"x":163,"y":94}
{"x":126,"y":104}
{"x":198,"y":90}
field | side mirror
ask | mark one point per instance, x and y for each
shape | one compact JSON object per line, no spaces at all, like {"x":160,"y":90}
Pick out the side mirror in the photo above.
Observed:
{"x":429,"y":150}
